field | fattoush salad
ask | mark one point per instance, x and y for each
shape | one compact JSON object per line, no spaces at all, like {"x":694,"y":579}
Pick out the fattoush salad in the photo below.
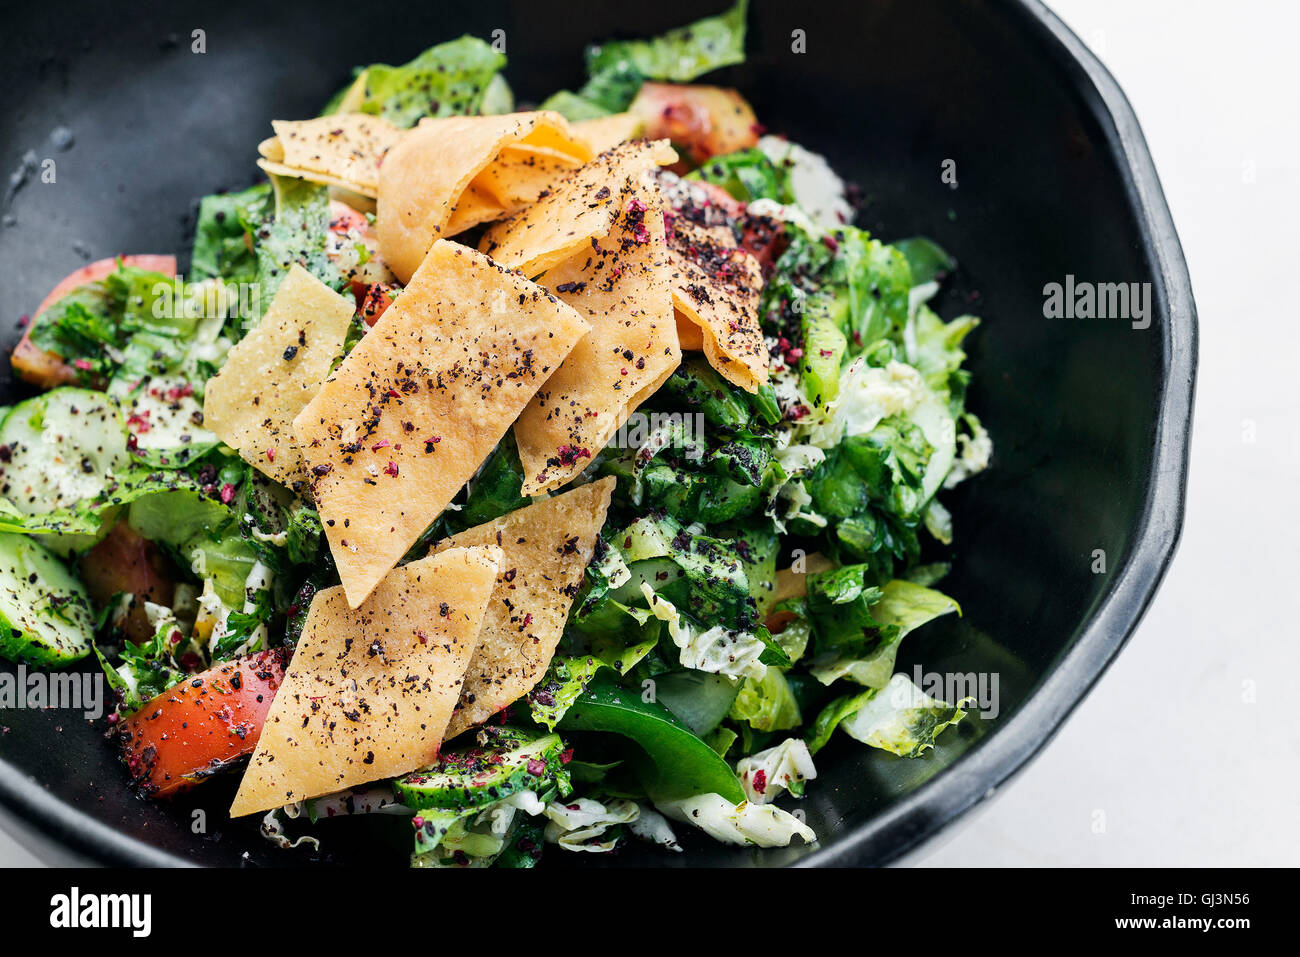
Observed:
{"x":551,"y":477}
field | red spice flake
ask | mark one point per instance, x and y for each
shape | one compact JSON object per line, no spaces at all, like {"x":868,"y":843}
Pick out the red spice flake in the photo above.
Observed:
{"x":180,"y":392}
{"x":566,"y":755}
{"x":537,"y":767}
{"x":391,"y":468}
{"x":636,"y":206}
{"x":138,"y":421}
{"x":270,"y":455}
{"x":571,"y":453}
{"x":394,"y":394}
{"x":417,"y":822}
{"x":82,"y":364}
{"x":381,"y":444}
{"x":760,"y":781}
{"x":227,"y":493}
{"x":831,"y":243}
{"x":528,"y":619}
{"x":175,"y":637}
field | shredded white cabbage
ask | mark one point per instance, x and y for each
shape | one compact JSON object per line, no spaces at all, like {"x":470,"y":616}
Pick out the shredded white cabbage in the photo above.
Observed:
{"x":765,"y":775}
{"x":762,"y":825}
{"x":868,"y":394}
{"x":973,"y":453}
{"x":651,"y":826}
{"x":716,"y":650}
{"x":817,"y":189}
{"x":578,"y":825}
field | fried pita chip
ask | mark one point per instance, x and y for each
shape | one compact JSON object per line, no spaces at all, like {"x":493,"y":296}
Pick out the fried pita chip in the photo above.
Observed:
{"x":345,"y":151}
{"x":519,"y":175}
{"x":580,"y":206}
{"x":424,"y":178}
{"x":716,"y":285}
{"x":421,"y":400}
{"x":622,"y":283}
{"x":273,"y":372}
{"x":369,"y":692}
{"x":545,"y":548}
{"x":606,"y":132}
{"x":689,"y":336}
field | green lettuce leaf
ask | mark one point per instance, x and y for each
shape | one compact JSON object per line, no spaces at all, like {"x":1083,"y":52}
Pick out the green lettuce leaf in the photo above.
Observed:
{"x":457,"y":78}
{"x":748,"y":175}
{"x":898,"y":718}
{"x":679,"y":55}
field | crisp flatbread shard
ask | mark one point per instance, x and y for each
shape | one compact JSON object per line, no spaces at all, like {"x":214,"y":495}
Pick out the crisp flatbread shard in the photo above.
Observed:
{"x":545,"y":548}
{"x":689,"y":335}
{"x":274,"y":371}
{"x":436,"y":168}
{"x":605,"y":132}
{"x":717,"y":285}
{"x":622,"y":284}
{"x":420,"y":401}
{"x":342,"y":150}
{"x":579,"y":207}
{"x":369,"y":691}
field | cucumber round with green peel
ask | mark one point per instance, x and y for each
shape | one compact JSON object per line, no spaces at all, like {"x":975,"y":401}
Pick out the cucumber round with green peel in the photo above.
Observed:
{"x":506,"y":762}
{"x":45,"y":615}
{"x":61,"y":449}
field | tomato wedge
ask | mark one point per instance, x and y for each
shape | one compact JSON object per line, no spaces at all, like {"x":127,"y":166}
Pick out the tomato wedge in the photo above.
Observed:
{"x":124,"y":561}
{"x":703,"y":121}
{"x":203,"y":725}
{"x":47,"y":369}
{"x":378,"y":296}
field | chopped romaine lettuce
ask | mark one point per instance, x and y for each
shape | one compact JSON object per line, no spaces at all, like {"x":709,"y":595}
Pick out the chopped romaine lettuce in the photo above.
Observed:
{"x":457,"y":78}
{"x":898,"y":718}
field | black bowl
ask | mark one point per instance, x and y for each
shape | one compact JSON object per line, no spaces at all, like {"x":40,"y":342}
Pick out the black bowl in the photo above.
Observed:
{"x":1090,"y":416}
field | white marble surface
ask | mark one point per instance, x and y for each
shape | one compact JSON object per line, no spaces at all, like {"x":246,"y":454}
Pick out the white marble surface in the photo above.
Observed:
{"x":1188,"y":751}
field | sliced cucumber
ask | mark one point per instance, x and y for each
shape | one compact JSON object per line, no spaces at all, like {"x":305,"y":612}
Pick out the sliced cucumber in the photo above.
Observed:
{"x":45,"y":615}
{"x":506,"y":762}
{"x":60,"y":449}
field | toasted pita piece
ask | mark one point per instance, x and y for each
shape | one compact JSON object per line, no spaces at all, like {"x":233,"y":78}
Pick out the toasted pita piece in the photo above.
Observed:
{"x":606,"y":132}
{"x":475,"y":206}
{"x":622,"y":283}
{"x":273,"y":372}
{"x":689,"y":336}
{"x":545,"y":548}
{"x":716,"y":285}
{"x":344,"y":150}
{"x":580,"y":206}
{"x":421,"y":400}
{"x":369,"y":691}
{"x":424,"y":177}
{"x":518,"y":176}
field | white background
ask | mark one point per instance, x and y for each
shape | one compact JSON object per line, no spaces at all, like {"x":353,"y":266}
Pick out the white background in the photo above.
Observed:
{"x":1188,"y":751}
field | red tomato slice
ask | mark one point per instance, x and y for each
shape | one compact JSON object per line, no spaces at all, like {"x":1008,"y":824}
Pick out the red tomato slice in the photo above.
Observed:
{"x":202,"y":725}
{"x":126,"y":562}
{"x":377,"y":297}
{"x":47,"y":369}
{"x":344,"y":219}
{"x":704,"y":121}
